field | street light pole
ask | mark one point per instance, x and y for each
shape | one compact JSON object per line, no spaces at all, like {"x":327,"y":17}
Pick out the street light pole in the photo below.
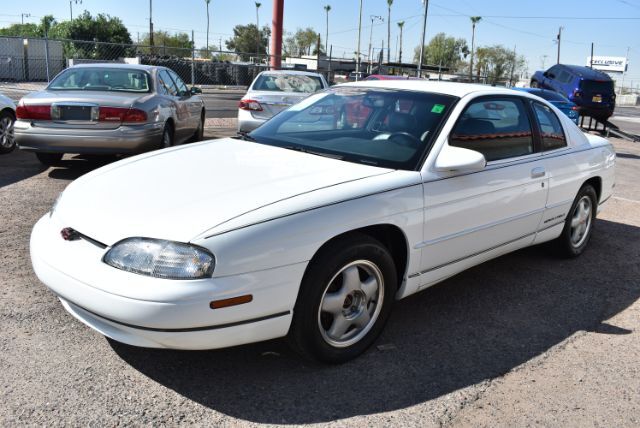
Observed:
{"x":424,"y":30}
{"x":359,"y":34}
{"x":373,"y":18}
{"x":559,"y":41}
{"x":71,"y":7}
{"x":23,"y":15}
{"x":151,"y":23}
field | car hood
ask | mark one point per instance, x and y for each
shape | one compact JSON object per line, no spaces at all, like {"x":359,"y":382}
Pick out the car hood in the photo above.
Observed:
{"x":182,"y":192}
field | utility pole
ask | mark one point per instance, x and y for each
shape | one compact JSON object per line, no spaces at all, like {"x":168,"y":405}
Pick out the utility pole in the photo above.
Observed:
{"x":591,"y":57}
{"x":358,"y":52}
{"x":23,"y":15}
{"x":624,"y":72}
{"x":373,"y":18}
{"x":327,"y":8}
{"x":151,"y":23}
{"x":513,"y":66}
{"x":424,"y":30}
{"x":401,"y":25}
{"x":559,"y":42}
{"x":276,"y":35}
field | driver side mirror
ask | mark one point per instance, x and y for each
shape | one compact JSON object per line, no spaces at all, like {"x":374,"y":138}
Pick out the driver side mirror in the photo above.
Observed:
{"x":195,"y":90}
{"x":457,"y":159}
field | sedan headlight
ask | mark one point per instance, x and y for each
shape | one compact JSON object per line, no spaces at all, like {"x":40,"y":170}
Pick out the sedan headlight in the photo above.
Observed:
{"x":161,"y":259}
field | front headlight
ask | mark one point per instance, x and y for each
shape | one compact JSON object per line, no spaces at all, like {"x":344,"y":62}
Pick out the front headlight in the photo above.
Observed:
{"x":161,"y":259}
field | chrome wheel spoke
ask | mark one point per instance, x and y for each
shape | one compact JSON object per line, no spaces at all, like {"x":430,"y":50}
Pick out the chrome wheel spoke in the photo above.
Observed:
{"x":332,"y":303}
{"x":369,"y":287}
{"x":581,"y":221}
{"x":339,"y":327}
{"x":351,"y":279}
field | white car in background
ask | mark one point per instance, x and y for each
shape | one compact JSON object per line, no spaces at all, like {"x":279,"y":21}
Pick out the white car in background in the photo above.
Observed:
{"x":273,"y":91}
{"x":312,"y":225}
{"x":7,"y":121}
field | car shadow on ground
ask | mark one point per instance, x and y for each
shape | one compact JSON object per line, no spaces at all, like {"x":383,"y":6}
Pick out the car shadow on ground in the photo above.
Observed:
{"x":72,"y":167}
{"x":17,"y":166}
{"x":476,"y":326}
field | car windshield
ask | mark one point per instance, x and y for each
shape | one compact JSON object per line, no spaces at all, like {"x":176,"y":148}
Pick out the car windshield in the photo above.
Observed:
{"x":101,"y":79}
{"x":287,"y":83}
{"x":383,"y":127}
{"x":596,"y":86}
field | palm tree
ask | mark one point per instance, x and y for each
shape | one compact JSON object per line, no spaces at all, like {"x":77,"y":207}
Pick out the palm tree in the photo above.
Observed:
{"x":401,"y":25}
{"x":327,"y":8}
{"x":389,"y":3}
{"x":207,"y":2}
{"x":474,"y":21}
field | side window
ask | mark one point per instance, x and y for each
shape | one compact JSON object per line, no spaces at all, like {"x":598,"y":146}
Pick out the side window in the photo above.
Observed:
{"x":565,"y":77}
{"x":497,"y":128}
{"x":555,"y":71}
{"x":182,"y":87}
{"x":550,"y":128}
{"x":166,"y":84}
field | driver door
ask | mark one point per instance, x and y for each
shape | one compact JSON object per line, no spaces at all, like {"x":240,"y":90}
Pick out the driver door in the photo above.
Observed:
{"x":472,"y":216}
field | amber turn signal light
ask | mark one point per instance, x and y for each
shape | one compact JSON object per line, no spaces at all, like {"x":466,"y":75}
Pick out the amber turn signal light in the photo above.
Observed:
{"x":233,"y":301}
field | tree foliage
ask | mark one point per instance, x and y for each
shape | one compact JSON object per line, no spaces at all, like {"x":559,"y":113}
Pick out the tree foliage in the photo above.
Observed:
{"x":31,"y":30}
{"x":302,"y":42}
{"x":244,"y":39}
{"x":178,"y":44}
{"x":498,"y":63}
{"x":445,"y":51}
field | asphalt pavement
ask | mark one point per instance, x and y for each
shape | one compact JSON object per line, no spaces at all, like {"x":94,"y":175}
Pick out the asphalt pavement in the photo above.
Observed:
{"x":523,"y":340}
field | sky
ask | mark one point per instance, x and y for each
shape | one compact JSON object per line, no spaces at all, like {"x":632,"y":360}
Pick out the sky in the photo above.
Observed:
{"x":529,"y":26}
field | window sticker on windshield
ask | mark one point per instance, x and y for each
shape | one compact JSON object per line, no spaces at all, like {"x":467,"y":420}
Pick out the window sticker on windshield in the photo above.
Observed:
{"x":437,"y":108}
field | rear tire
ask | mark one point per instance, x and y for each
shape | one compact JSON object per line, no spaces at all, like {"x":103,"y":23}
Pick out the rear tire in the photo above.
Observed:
{"x":167,"y":136}
{"x":7,"y":137}
{"x":49,"y":159}
{"x":579,"y":224}
{"x":344,"y":301}
{"x":199,"y":134}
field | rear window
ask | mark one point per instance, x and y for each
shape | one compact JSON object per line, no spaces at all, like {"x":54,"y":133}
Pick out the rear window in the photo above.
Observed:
{"x":101,"y":79}
{"x":596,"y":86}
{"x":551,"y":96}
{"x":287,"y":83}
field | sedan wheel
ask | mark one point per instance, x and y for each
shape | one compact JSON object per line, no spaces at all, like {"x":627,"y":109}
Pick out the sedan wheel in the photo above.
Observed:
{"x":7,"y":139}
{"x":350,"y":305}
{"x":167,"y":136}
{"x":345,"y":299}
{"x":579,"y":223}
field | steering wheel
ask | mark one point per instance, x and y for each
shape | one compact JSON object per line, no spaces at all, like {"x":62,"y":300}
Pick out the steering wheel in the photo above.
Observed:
{"x":405,"y":139}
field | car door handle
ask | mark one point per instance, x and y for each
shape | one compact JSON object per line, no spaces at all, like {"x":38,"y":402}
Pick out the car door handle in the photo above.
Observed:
{"x":538,"y":172}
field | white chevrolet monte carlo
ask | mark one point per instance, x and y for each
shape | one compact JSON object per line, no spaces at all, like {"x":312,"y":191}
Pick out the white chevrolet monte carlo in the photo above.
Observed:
{"x":314,"y":224}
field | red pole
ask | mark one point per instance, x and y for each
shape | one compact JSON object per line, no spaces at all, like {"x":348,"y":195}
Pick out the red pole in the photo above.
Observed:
{"x":276,"y":34}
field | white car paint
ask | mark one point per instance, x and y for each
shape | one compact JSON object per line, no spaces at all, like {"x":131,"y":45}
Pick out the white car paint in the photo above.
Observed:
{"x":264,"y":212}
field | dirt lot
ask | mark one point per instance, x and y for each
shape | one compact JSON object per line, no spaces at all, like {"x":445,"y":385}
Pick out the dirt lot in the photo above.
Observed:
{"x":523,"y":340}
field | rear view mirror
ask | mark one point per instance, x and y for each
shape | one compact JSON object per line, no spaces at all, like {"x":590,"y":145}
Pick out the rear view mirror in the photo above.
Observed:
{"x":457,"y":159}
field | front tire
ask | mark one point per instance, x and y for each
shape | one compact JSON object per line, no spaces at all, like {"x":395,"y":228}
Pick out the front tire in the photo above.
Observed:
{"x":49,"y":159}
{"x":7,"y":137}
{"x":344,"y":301}
{"x":199,"y":134}
{"x":578,"y":226}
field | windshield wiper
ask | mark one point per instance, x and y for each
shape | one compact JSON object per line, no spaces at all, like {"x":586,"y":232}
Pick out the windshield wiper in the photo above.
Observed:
{"x":245,"y":137}
{"x":311,"y":152}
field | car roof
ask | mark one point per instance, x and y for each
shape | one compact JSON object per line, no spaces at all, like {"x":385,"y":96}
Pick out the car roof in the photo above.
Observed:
{"x":544,"y":93}
{"x":447,"y":88}
{"x":142,"y":67}
{"x":586,"y":72}
{"x":290,"y":72}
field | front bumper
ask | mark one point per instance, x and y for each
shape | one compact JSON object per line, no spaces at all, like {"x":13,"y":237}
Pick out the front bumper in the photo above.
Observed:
{"x":151,"y":312}
{"x":126,"y":139}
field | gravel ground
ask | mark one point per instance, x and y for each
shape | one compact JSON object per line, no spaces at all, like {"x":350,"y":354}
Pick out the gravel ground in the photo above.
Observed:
{"x":523,"y":340}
